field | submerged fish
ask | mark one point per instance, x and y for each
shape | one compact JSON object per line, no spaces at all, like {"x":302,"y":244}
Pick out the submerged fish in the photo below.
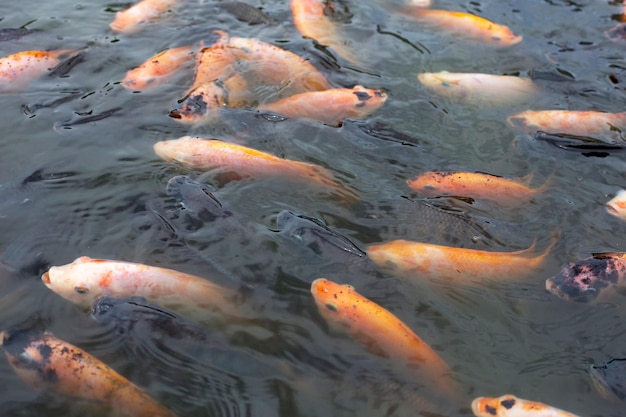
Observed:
{"x":617,"y":205}
{"x":478,"y":88}
{"x":312,"y":19}
{"x":18,"y":70}
{"x":609,"y":378}
{"x":44,"y":361}
{"x":379,"y":330}
{"x":245,"y":12}
{"x":130,"y":20}
{"x":415,"y":259}
{"x":465,"y":25}
{"x":475,"y":185}
{"x":87,"y":279}
{"x":511,"y":406}
{"x":571,"y":122}
{"x":158,"y":69}
{"x":584,"y":280}
{"x":329,"y":106}
{"x":213,"y":154}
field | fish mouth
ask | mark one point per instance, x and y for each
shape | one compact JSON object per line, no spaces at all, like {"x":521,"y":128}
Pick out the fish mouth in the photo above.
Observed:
{"x":46,"y":278}
{"x":554,"y":289}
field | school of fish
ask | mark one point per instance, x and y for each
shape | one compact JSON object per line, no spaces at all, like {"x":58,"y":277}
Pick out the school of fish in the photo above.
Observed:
{"x":227,"y":72}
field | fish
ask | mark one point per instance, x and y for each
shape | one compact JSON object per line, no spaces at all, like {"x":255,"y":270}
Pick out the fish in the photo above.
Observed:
{"x":379,"y":330}
{"x":213,"y":154}
{"x":617,"y":205}
{"x":13,"y":34}
{"x":609,"y":378}
{"x":158,"y":69}
{"x":465,"y":25}
{"x":86,"y":279}
{"x":203,"y":104}
{"x":479,"y":88}
{"x":505,"y":191}
{"x":46,"y":362}
{"x":19,"y":69}
{"x":571,"y":122}
{"x":312,"y":19}
{"x":329,"y":106}
{"x":130,"y":20}
{"x":585,"y":280}
{"x":415,"y":259}
{"x":245,"y":12}
{"x":511,"y":406}
{"x":270,"y":65}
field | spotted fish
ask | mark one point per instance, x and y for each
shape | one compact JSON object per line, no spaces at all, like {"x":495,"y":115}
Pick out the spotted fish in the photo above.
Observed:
{"x":511,"y":406}
{"x":583,"y":281}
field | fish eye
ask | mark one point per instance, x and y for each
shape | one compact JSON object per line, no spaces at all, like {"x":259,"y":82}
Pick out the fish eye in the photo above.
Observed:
{"x":332,"y":307}
{"x":362,"y":95}
{"x":24,"y":358}
{"x":81,"y":289}
{"x":430,"y":187}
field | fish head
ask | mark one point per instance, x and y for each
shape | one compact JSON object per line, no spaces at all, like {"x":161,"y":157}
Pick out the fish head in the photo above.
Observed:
{"x":427,"y":183}
{"x":196,"y":198}
{"x":617,"y":205}
{"x":201,"y":104}
{"x":609,"y":378}
{"x":329,"y":297}
{"x":494,"y":407}
{"x":29,"y":355}
{"x":582,"y":281}
{"x":75,"y":282}
{"x":366,"y":101}
{"x":503,"y":36}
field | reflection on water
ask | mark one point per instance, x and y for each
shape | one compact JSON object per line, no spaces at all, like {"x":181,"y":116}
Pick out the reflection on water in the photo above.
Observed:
{"x":78,"y":176}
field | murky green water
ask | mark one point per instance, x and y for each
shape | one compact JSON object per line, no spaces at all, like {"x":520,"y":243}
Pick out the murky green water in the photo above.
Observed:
{"x":86,"y":189}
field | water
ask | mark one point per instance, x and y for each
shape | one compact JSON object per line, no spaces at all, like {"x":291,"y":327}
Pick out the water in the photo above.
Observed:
{"x":87,"y":189}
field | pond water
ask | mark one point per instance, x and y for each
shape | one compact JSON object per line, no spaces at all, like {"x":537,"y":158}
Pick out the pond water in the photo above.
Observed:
{"x":73,"y":186}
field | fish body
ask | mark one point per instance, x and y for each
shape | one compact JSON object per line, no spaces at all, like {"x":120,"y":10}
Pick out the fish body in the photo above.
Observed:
{"x":130,"y":20}
{"x":475,"y":185}
{"x":379,"y":329}
{"x":212,"y":154}
{"x":87,"y":279}
{"x":311,"y":18}
{"x":570,"y":122}
{"x":512,"y":406}
{"x":583,"y":281}
{"x":418,"y":259}
{"x":329,"y":106}
{"x":158,"y":69}
{"x":617,"y":205}
{"x":19,"y":69}
{"x":465,"y":25}
{"x":609,"y":378}
{"x":275,"y":66}
{"x":478,"y":88}
{"x":46,"y":362}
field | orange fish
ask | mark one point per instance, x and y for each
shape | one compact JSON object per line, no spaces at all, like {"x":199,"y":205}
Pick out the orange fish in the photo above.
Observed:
{"x":46,"y":362}
{"x":19,"y":69}
{"x":130,"y":20}
{"x":273,"y":66}
{"x":570,"y":122}
{"x":423,"y":259}
{"x":211,"y":154}
{"x":464,"y":24}
{"x":478,"y":88}
{"x":311,"y":18}
{"x":617,"y":205}
{"x":502,"y":190}
{"x":511,"y":406}
{"x":379,"y":330}
{"x":202,"y":104}
{"x":158,"y":69}
{"x":86,"y":279}
{"x":329,"y":106}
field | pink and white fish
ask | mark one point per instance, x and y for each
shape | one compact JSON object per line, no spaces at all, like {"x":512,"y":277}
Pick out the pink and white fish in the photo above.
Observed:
{"x":511,"y":406}
{"x":130,"y":20}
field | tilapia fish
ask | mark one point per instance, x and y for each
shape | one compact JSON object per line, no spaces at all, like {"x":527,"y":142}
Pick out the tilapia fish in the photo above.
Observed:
{"x":512,"y":406}
{"x":44,"y":361}
{"x":609,"y":378}
{"x":584,"y":280}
